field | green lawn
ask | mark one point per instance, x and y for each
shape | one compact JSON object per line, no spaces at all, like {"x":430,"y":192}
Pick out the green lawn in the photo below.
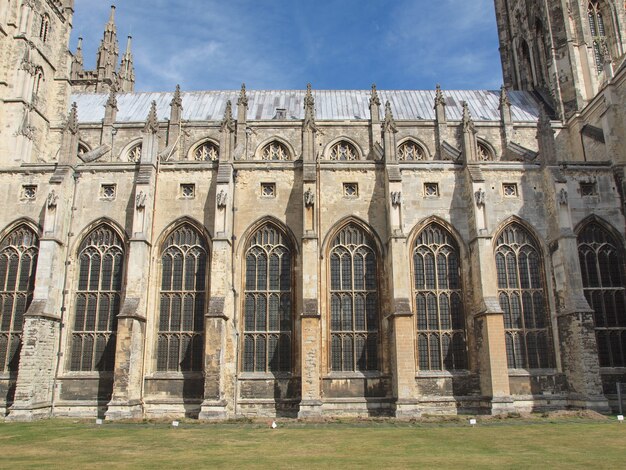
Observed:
{"x":381,"y":444}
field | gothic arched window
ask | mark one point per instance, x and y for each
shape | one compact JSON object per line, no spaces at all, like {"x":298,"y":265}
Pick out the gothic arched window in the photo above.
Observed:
{"x":275,"y":151}
{"x":44,"y":28}
{"x":522,"y":296}
{"x":411,"y":151}
{"x":207,"y":151}
{"x":598,"y":32}
{"x":18,"y":262}
{"x":268,"y":301}
{"x":484,"y":153}
{"x":438,"y":301}
{"x":37,"y":82}
{"x":134,"y":154}
{"x":602,"y":265}
{"x":354,"y":317}
{"x":184,"y":261}
{"x":98,"y":298}
{"x":344,"y":151}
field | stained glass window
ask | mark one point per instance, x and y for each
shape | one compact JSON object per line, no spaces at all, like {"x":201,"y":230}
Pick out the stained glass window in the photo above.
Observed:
{"x":180,"y":339}
{"x":522,"y":296}
{"x":18,"y":262}
{"x":268,"y":301}
{"x":354,"y":317}
{"x":602,"y":267}
{"x":97,"y":301}
{"x":438,"y":298}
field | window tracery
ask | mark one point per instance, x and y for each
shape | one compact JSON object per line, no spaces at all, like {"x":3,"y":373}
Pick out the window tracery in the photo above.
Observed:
{"x":206,"y":152}
{"x":602,"y":268}
{"x":598,"y":32}
{"x":18,"y":263}
{"x":344,"y":151}
{"x":180,"y":339}
{"x":438,"y":298}
{"x":354,"y":319}
{"x":521,"y":292}
{"x":484,"y":153}
{"x":97,"y":300}
{"x":268,"y":301}
{"x":411,"y":151}
{"x":134,"y":154}
{"x":275,"y":151}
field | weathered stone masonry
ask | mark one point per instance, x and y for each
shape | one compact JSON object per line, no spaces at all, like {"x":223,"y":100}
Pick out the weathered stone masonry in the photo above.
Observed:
{"x":312,"y":252}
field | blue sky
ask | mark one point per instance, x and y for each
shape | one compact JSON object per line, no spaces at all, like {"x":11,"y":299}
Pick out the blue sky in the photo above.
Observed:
{"x":284,"y":44}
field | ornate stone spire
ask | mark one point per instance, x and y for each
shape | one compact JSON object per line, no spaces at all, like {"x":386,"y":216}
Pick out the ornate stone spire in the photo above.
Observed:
{"x":177,"y":101}
{"x":389,"y":124}
{"x":112,"y":99}
{"x":72,"y":120}
{"x":309,"y":109}
{"x":77,"y":60}
{"x":504,"y":97}
{"x":374,"y":99}
{"x":176,"y":106}
{"x":152,"y":122}
{"x":440,"y":100}
{"x":243,"y":97}
{"x":468,"y":123}
{"x":108,"y":51}
{"x":228,"y":123}
{"x":126,"y":73}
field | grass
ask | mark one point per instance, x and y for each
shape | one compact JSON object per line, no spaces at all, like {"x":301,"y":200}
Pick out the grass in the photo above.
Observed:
{"x":507,"y":443}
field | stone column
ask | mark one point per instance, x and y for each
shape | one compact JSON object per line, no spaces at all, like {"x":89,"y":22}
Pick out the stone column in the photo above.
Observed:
{"x":220,"y":373}
{"x":126,"y":401}
{"x":486,"y":312}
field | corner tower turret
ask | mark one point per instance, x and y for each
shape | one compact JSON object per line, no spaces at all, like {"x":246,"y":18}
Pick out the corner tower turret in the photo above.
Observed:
{"x":562,"y":51}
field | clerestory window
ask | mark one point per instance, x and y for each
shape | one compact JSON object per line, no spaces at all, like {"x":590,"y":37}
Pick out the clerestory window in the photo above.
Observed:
{"x":275,"y":151}
{"x":206,"y":151}
{"x":344,"y":151}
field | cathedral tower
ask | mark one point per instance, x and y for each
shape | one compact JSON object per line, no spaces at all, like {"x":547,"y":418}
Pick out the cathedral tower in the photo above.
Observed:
{"x":562,"y":50}
{"x":33,"y":77}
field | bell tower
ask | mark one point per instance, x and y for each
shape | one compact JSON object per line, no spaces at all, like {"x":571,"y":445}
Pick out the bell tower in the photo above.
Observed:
{"x":563,"y":50}
{"x":34,"y":85}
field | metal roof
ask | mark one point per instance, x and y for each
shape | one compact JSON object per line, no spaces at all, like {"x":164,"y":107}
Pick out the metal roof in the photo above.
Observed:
{"x":330,"y":105}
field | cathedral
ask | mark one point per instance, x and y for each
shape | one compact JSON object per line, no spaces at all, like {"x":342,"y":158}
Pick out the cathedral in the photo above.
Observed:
{"x":309,"y":253}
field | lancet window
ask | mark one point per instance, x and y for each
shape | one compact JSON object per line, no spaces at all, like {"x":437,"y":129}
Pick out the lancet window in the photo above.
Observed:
{"x":18,"y":262}
{"x":602,"y":266}
{"x":268,"y":301}
{"x":438,"y":298}
{"x":97,"y":300}
{"x":522,"y":295}
{"x":598,"y":32}
{"x":275,"y":151}
{"x":44,"y":28}
{"x":180,"y":337}
{"x":354,"y":318}
{"x":344,"y":151}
